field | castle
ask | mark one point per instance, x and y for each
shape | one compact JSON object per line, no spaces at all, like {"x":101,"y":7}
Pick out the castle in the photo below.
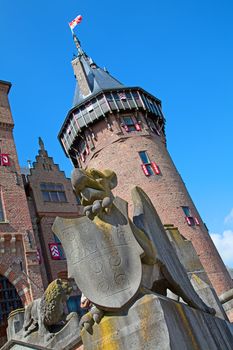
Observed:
{"x":109,"y":126}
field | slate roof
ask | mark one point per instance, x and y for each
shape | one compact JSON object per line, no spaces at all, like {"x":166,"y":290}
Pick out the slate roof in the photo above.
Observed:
{"x":98,"y":79}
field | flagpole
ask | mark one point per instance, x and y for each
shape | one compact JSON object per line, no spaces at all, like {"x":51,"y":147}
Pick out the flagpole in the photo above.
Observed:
{"x":77,"y":43}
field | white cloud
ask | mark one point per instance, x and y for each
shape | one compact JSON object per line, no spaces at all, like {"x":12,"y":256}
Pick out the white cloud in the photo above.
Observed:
{"x":229,"y":218}
{"x":224,"y":244}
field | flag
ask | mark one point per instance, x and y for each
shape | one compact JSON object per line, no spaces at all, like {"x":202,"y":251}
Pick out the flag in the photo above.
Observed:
{"x":76,"y":21}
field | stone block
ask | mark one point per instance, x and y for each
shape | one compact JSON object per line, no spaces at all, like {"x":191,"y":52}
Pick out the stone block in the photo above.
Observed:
{"x":155,"y":322}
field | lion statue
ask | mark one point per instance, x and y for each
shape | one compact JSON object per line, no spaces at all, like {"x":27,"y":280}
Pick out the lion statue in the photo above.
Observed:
{"x":47,"y":310}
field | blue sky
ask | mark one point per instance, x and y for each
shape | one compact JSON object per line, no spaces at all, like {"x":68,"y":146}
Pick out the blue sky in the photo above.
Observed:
{"x":180,"y":51}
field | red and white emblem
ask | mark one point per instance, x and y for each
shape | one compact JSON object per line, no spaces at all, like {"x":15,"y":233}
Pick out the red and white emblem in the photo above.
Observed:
{"x":4,"y":159}
{"x":54,"y":251}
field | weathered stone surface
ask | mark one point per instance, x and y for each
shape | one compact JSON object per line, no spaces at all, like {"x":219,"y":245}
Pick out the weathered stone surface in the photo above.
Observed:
{"x":226,"y":300}
{"x":68,"y":337}
{"x":146,"y":219}
{"x":228,"y":307}
{"x":208,"y":295}
{"x":102,"y":256}
{"x":18,"y":345}
{"x":196,"y":273}
{"x":155,"y":322}
{"x":15,"y":323}
{"x":226,"y":296}
{"x":186,"y":253}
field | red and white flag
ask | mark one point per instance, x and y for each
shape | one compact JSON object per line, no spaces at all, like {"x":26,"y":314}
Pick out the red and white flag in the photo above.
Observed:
{"x":76,"y":21}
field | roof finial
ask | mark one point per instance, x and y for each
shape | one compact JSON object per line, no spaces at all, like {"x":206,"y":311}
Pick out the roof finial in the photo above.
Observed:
{"x":41,"y":144}
{"x":78,"y":44}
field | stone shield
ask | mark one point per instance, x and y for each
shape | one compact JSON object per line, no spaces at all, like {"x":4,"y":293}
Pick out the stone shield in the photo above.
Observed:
{"x":104,"y":261}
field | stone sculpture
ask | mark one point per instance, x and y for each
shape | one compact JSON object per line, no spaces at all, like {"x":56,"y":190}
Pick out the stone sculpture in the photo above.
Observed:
{"x":111,"y":257}
{"x":47,"y":310}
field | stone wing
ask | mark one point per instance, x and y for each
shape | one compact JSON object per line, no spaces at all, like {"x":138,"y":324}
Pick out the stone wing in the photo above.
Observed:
{"x":146,"y":219}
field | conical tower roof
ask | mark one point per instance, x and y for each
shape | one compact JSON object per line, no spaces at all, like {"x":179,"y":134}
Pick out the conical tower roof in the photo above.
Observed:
{"x":90,"y":78}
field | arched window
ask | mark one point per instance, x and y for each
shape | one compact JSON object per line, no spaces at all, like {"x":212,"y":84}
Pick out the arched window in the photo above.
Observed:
{"x":9,"y":301}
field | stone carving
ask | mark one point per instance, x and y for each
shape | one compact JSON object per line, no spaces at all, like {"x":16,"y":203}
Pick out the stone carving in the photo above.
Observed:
{"x":47,"y":310}
{"x":111,"y":257}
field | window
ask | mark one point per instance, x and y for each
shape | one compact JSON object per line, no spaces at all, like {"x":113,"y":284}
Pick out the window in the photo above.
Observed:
{"x":154,"y":126}
{"x":191,"y":221}
{"x":130,"y":124}
{"x":83,"y":150}
{"x":148,"y":167}
{"x":53,"y":192}
{"x":9,"y":301}
{"x":186,"y":211}
{"x":2,"y":217}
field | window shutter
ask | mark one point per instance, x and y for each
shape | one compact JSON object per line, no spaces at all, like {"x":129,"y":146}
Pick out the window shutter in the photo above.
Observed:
{"x":82,"y":157}
{"x":138,"y":127}
{"x":155,"y":168}
{"x":87,"y":150}
{"x":197,"y":221}
{"x":188,"y":220}
{"x":144,"y":168}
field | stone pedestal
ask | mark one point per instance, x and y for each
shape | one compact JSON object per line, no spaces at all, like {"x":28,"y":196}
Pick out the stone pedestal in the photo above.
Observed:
{"x":68,"y":337}
{"x":154,"y":322}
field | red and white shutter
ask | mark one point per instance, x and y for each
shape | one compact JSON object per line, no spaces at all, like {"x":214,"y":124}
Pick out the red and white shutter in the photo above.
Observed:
{"x":87,"y":150}
{"x":188,"y":220}
{"x":138,"y":127}
{"x":136,"y":124}
{"x":144,"y":168}
{"x":5,"y":160}
{"x":82,"y":157}
{"x":155,"y":168}
{"x":54,"y":251}
{"x":197,"y":221}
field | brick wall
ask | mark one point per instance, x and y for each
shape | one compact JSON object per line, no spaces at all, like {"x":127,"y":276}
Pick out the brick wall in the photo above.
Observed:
{"x":18,"y":256}
{"x":118,"y":150}
{"x":43,"y":213}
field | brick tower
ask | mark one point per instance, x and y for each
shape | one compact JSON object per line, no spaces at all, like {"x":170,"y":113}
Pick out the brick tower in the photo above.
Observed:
{"x":123,"y":128}
{"x":20,"y":277}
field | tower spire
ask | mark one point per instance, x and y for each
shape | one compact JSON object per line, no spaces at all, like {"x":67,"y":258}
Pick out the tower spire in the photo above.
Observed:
{"x":41,"y":144}
{"x":77,"y":44}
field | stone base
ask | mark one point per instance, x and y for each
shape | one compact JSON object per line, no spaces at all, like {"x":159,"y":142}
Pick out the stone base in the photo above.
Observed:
{"x":68,"y":337}
{"x":228,"y":307}
{"x":227,"y":303}
{"x":156,"y":322}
